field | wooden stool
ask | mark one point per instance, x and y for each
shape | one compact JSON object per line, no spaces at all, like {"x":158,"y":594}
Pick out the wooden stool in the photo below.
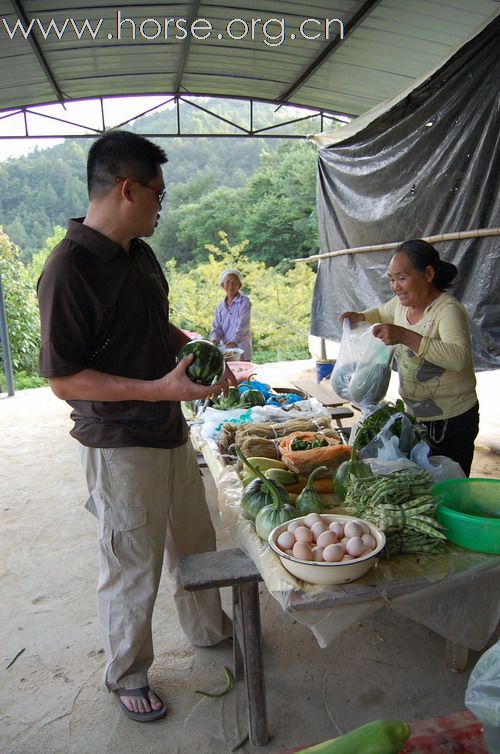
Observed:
{"x":234,"y":568}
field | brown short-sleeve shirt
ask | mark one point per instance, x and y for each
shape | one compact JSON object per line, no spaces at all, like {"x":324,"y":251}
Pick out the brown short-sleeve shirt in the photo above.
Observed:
{"x":107,"y":309}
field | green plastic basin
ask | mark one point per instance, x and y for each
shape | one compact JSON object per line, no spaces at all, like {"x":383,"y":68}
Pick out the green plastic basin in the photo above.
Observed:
{"x":470,"y":511}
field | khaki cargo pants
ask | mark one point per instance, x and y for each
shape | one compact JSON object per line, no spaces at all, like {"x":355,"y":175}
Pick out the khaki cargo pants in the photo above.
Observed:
{"x":150,"y":504}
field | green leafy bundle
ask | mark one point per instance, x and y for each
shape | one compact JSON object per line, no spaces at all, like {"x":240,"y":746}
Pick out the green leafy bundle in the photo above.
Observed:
{"x":405,"y":427}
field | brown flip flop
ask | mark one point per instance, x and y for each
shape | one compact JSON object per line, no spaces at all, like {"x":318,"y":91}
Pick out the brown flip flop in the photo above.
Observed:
{"x":143,"y":717}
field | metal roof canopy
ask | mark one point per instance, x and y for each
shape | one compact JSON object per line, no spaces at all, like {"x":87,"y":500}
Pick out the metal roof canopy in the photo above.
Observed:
{"x":346,"y":57}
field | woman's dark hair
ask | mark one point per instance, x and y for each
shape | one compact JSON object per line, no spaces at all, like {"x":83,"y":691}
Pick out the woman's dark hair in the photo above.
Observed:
{"x":121,"y":153}
{"x":422,"y":255}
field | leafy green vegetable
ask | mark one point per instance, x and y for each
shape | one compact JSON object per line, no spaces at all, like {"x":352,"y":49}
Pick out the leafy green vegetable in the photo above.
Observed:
{"x":298,"y":444}
{"x":231,"y":400}
{"x":372,"y":424}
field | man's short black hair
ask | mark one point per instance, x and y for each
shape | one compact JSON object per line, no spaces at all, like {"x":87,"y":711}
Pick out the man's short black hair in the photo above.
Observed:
{"x":121,"y":154}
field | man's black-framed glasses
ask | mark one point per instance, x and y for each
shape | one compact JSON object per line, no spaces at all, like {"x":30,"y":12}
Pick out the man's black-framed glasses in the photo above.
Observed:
{"x":160,"y":193}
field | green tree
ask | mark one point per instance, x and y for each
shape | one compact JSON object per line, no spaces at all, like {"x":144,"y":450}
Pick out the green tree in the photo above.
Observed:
{"x":281,"y":199}
{"x":281,"y":300}
{"x":21,"y":308}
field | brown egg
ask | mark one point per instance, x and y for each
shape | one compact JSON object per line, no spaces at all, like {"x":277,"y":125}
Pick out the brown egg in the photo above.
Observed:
{"x":355,"y":546}
{"x":317,"y":553}
{"x":294,"y":523}
{"x":333,"y":553}
{"x":352,"y":529}
{"x":302,"y":551}
{"x":303,"y":534}
{"x":369,"y":541}
{"x":312,"y":518}
{"x":286,"y":540}
{"x":338,"y":528}
{"x":328,"y":537}
{"x":317,"y":529}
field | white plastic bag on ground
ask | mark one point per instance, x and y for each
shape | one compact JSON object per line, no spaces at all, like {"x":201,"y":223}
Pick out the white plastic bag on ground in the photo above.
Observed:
{"x":482,"y":696}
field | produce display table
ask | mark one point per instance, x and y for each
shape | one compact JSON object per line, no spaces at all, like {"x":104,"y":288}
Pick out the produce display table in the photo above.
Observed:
{"x":454,"y":594}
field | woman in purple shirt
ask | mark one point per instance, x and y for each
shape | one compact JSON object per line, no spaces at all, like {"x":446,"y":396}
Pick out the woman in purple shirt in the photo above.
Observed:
{"x":231,"y":325}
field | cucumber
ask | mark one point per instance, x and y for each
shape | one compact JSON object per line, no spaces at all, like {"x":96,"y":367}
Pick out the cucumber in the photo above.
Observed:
{"x":283,"y":476}
{"x":263,"y":464}
{"x":376,"y":737}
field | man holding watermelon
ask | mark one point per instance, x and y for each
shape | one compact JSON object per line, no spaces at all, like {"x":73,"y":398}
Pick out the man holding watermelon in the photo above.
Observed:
{"x":109,"y":350}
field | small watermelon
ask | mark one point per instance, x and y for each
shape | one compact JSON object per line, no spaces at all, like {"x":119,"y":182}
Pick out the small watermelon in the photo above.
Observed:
{"x":208,"y":362}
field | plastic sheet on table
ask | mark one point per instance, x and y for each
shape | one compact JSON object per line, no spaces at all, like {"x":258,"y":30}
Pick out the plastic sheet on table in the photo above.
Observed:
{"x":454,"y":594}
{"x":213,"y":419}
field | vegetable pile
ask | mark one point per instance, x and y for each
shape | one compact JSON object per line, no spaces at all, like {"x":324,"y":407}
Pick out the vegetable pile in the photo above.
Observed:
{"x":266,"y":501}
{"x":405,"y":427}
{"x":300,"y":444}
{"x":401,"y":504}
{"x":237,"y":398}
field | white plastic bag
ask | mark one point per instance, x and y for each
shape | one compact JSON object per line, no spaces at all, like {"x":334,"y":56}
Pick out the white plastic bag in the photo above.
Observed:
{"x":387,"y":446}
{"x":482,"y":695}
{"x":362,"y":371}
{"x":350,"y":350}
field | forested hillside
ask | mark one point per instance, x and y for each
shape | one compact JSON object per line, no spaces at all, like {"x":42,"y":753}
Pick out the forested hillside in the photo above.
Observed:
{"x":258,"y":190}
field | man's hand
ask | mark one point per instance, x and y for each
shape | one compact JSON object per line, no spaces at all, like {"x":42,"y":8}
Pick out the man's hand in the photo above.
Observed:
{"x":176,"y":385}
{"x":92,"y":385}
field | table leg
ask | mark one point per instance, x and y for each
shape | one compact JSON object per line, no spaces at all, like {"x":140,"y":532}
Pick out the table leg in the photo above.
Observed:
{"x":248,"y":644}
{"x":456,"y":656}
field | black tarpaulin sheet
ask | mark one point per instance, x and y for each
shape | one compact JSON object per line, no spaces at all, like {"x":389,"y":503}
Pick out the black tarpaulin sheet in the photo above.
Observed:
{"x":428,"y":166}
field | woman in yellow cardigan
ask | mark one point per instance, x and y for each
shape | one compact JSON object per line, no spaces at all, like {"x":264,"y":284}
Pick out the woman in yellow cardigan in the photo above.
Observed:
{"x":434,"y":355}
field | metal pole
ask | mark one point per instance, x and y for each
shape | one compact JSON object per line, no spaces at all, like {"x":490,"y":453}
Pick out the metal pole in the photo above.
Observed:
{"x":4,"y":337}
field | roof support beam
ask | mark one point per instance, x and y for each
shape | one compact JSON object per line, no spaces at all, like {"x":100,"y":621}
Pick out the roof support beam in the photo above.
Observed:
{"x":185,"y":47}
{"x":18,"y":8}
{"x":349,"y":27}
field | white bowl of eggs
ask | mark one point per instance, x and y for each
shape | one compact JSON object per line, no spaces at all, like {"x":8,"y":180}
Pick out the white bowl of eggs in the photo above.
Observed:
{"x":324,"y":548}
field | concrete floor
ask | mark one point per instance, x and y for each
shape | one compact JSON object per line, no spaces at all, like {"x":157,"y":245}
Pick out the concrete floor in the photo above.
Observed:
{"x":51,"y":698}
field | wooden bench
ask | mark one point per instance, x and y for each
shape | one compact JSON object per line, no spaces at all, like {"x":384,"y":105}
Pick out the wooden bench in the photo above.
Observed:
{"x":234,"y":568}
{"x":326,"y":396}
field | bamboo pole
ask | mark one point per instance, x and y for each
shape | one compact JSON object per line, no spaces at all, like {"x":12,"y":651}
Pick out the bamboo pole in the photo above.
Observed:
{"x":479,"y":233}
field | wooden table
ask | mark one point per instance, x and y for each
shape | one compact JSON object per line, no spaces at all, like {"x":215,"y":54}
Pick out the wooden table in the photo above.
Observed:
{"x":455,"y":595}
{"x":324,"y":393}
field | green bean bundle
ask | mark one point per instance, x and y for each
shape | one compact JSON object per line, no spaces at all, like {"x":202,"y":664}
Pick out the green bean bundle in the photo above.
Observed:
{"x":401,"y":504}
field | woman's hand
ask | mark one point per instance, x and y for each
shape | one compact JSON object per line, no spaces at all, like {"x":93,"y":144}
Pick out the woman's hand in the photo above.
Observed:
{"x":393,"y":335}
{"x":353,"y":317}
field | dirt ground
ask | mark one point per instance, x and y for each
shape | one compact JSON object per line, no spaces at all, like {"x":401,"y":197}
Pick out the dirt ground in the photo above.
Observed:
{"x":51,"y":697}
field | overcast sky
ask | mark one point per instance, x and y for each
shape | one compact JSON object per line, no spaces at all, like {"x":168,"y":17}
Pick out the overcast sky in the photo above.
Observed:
{"x":87,"y":112}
